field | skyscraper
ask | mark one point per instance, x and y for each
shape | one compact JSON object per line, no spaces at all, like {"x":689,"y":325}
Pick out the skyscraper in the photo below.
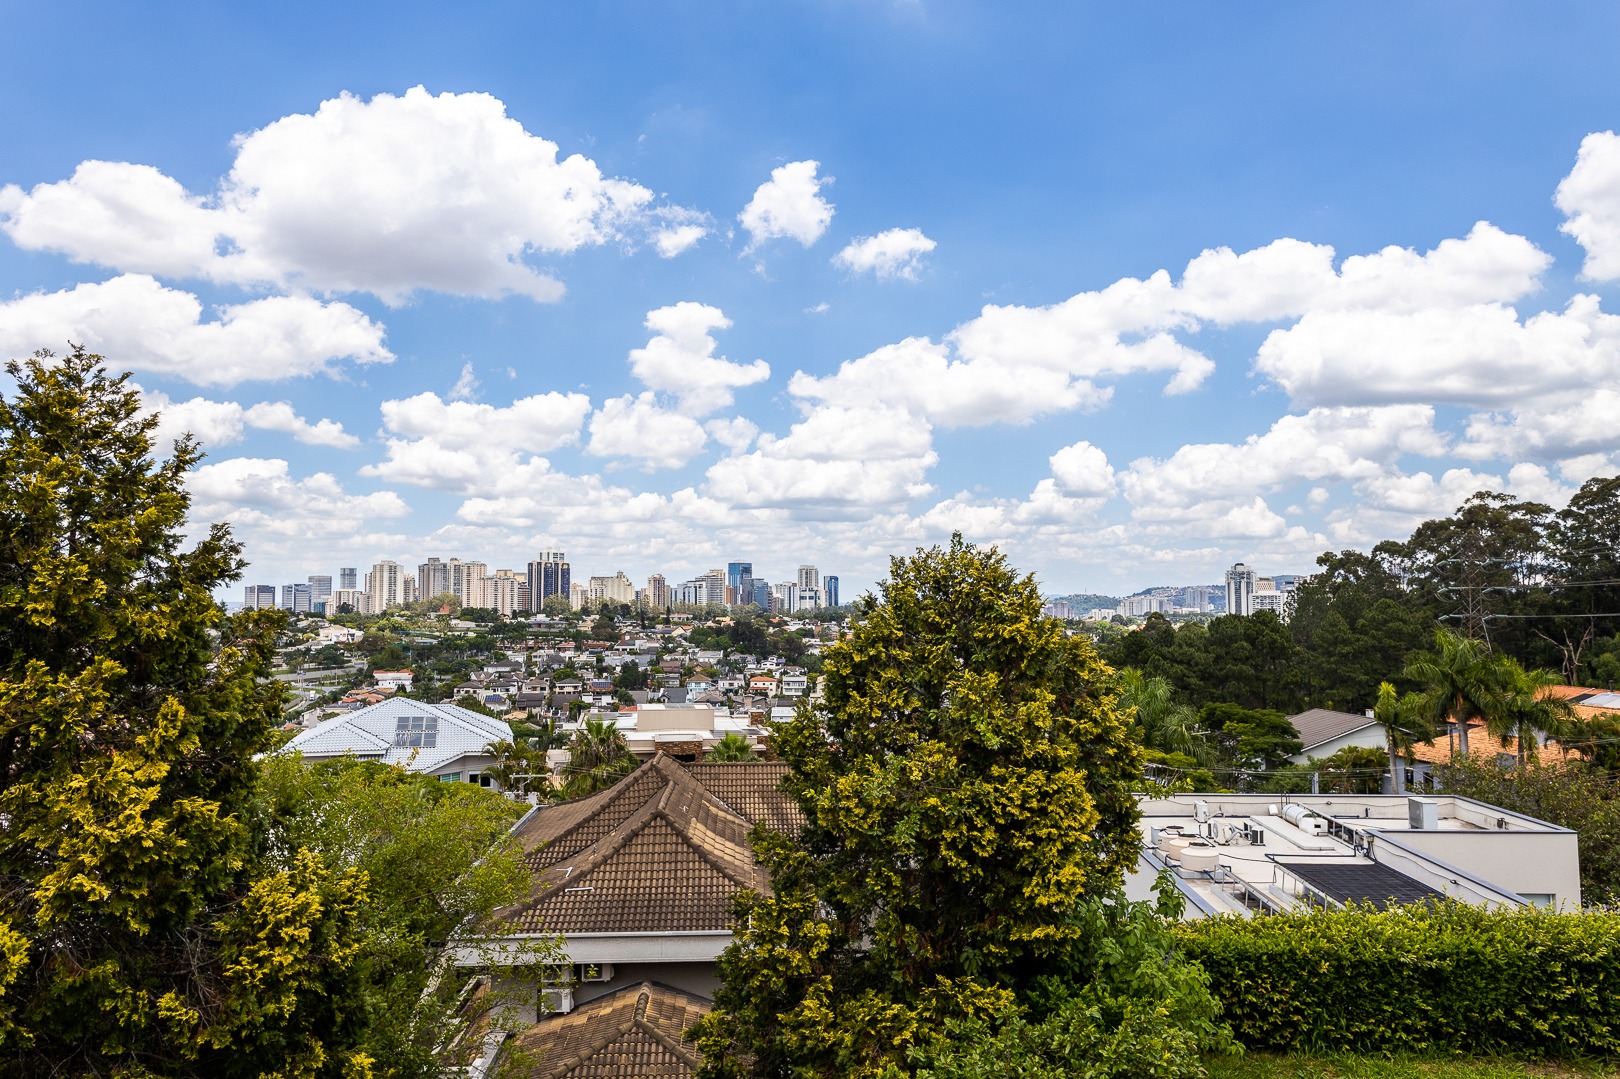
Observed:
{"x":809,"y":577}
{"x":320,"y":589}
{"x":432,"y":578}
{"x":657,"y":592}
{"x":829,"y":590}
{"x":739,"y":583}
{"x":549,"y":575}
{"x":1240,"y":590}
{"x":349,"y":577}
{"x":255,"y":596}
{"x":385,"y":585}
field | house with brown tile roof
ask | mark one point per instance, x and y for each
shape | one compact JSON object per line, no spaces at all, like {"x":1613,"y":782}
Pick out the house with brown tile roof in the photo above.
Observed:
{"x":639,"y":879}
{"x":637,"y":1031}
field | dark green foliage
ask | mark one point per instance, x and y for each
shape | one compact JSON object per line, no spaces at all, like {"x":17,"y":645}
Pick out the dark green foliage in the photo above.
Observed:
{"x":139,"y":934}
{"x":1122,"y":1003}
{"x":967,"y":783}
{"x":1574,"y":796}
{"x":1417,"y":979}
{"x":1255,"y":738}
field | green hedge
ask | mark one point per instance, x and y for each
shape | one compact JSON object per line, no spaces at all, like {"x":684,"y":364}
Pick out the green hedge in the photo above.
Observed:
{"x":1417,"y":979}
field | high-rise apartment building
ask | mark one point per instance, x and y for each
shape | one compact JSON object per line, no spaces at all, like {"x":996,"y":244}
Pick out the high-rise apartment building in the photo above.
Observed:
{"x":432,"y":578}
{"x":255,"y":596}
{"x":357,"y":602}
{"x":549,"y":576}
{"x":809,"y":577}
{"x":1240,"y":590}
{"x":739,"y":583}
{"x":296,"y":598}
{"x":349,"y":577}
{"x":616,"y":588}
{"x":829,"y":590}
{"x":385,"y":584}
{"x":467,"y":582}
{"x":784,"y":597}
{"x":657,"y":592}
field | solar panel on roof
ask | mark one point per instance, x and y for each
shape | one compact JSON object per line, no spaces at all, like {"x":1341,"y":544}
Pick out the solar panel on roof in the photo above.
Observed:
{"x":1360,"y":882}
{"x":417,"y":732}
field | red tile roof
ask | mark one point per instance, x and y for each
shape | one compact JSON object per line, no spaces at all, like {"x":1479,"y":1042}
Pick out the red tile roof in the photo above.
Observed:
{"x":635,"y":1033}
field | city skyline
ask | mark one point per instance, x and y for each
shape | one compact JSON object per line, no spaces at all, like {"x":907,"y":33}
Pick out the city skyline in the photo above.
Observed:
{"x":389,"y":583}
{"x":1131,"y":292}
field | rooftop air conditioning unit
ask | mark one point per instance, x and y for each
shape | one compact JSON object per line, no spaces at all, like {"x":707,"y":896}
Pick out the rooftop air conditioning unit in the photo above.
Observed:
{"x":1423,"y":813}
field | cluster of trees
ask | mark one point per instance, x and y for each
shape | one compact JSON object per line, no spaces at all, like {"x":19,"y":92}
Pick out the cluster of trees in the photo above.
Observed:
{"x":1538,"y":586}
{"x":171,"y":905}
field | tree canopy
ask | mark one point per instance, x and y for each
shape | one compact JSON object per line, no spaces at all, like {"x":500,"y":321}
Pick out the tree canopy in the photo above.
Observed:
{"x":139,"y":933}
{"x":967,"y":782}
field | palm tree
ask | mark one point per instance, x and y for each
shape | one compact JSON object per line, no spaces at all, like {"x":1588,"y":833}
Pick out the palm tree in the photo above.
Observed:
{"x":1405,"y":724}
{"x":598,"y":757}
{"x":1161,"y":723}
{"x":1526,"y":707}
{"x":517,"y":767}
{"x":1597,"y":738}
{"x":732,"y":747}
{"x":1460,"y":682}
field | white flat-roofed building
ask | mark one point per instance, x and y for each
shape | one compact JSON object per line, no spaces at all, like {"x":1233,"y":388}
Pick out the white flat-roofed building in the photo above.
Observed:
{"x":1242,"y":853}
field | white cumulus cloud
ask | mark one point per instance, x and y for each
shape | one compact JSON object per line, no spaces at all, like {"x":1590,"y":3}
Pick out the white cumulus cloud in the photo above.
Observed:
{"x":388,"y":196}
{"x":788,"y":206}
{"x":458,"y":445}
{"x":640,"y":429}
{"x":679,"y":360}
{"x":890,"y":254}
{"x":1590,"y":197}
{"x":135,"y":321}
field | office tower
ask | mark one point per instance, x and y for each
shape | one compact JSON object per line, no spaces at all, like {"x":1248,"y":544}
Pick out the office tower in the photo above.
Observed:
{"x":762,"y":594}
{"x":320,"y":589}
{"x":739,"y":583}
{"x":286,"y":597}
{"x":549,"y":576}
{"x":385,"y":585}
{"x":349,"y":577}
{"x":657,"y":592}
{"x":808,"y":599}
{"x":432,"y":578}
{"x":809,"y":577}
{"x":1240,"y":590}
{"x":255,"y":596}
{"x":829,"y":590}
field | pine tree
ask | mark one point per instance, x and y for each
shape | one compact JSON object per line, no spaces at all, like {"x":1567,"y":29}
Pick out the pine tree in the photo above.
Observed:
{"x":138,"y":935}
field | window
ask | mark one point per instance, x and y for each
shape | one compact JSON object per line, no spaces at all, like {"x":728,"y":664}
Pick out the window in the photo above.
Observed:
{"x":417,"y":732}
{"x":450,"y":777}
{"x":1538,"y":899}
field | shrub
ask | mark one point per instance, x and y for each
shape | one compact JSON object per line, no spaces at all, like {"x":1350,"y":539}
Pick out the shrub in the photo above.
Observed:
{"x":1422,"y":978}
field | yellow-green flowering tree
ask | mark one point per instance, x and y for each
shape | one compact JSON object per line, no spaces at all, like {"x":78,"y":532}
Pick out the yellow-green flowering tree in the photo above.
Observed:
{"x":967,"y":781}
{"x":140,"y":933}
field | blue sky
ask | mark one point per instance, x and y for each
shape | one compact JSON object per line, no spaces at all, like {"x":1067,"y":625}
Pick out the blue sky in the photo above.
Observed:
{"x":666,"y":286}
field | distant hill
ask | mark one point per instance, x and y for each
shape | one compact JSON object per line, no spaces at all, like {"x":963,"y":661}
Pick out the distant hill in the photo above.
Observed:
{"x":1085,"y":601}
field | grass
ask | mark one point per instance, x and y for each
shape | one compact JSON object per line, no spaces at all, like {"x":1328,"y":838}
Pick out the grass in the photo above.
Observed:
{"x":1267,"y":1066}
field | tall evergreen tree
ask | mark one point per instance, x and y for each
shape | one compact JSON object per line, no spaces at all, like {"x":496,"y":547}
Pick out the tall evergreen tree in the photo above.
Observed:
{"x":137,"y":937}
{"x":967,"y":782}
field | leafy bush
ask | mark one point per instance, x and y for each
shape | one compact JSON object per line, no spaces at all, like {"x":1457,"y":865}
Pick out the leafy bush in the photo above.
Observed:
{"x":1574,"y":796}
{"x":1121,"y":1003}
{"x":1421,"y":978}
